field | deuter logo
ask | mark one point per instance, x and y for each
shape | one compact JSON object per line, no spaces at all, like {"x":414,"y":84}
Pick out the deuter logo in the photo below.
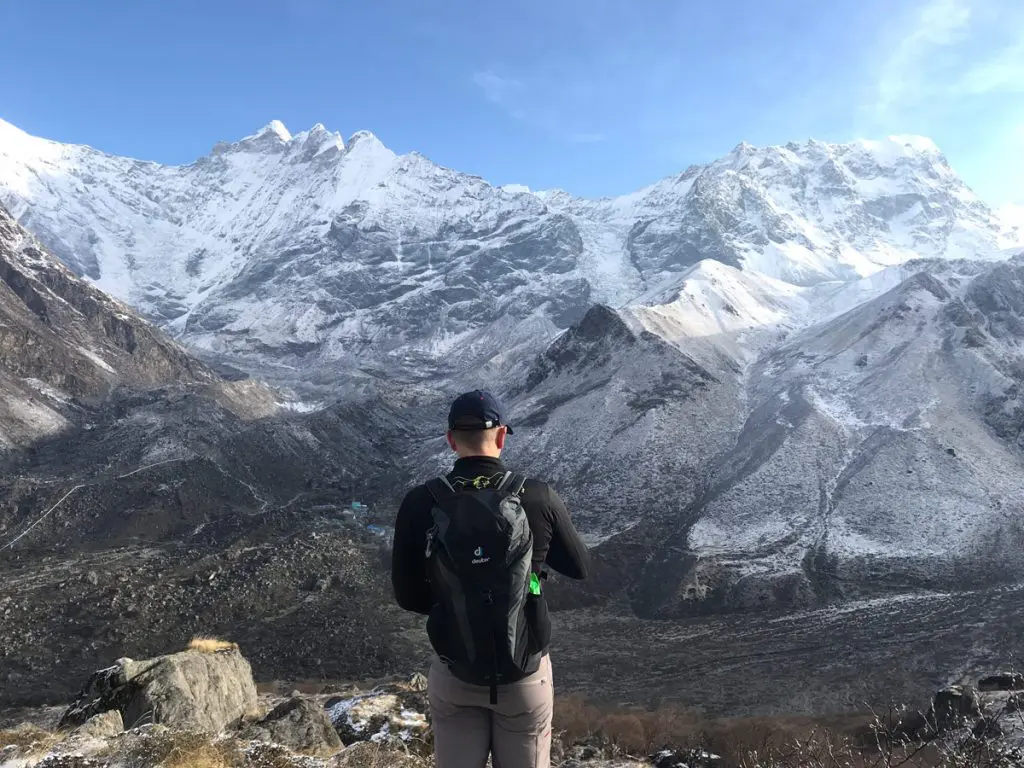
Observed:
{"x":479,"y":558}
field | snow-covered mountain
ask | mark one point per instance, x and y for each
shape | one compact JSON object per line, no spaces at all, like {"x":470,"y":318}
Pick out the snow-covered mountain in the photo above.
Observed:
{"x":280,"y":252}
{"x":66,"y":347}
{"x":879,"y":452}
{"x":785,"y":376}
{"x":280,"y":249}
{"x":1012,"y":215}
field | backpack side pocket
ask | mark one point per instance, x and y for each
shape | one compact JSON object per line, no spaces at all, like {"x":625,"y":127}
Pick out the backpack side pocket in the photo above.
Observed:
{"x":538,"y":623}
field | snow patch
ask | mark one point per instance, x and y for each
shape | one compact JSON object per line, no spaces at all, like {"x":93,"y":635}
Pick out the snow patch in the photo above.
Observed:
{"x":515,"y":189}
{"x":275,"y":128}
{"x":88,"y":353}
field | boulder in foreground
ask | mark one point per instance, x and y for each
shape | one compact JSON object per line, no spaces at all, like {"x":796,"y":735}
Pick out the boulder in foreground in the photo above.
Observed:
{"x":301,"y":725}
{"x":195,"y":690}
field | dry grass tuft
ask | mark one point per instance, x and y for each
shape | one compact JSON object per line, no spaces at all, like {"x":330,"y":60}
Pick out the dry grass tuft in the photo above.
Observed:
{"x":365,"y":754}
{"x":29,"y":738}
{"x":211,"y":645}
{"x":736,"y":740}
{"x":205,"y":756}
{"x":633,"y":731}
{"x":183,"y":749}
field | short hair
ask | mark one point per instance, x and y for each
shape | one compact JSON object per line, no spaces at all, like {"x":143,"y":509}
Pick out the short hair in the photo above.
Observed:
{"x":474,"y":439}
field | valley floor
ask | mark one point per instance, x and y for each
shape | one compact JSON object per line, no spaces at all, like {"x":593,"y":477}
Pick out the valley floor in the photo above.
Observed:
{"x":859,"y":655}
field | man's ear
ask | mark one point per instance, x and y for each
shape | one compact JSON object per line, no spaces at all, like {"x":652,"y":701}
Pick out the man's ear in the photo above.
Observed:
{"x":500,"y":437}
{"x":451,"y":441}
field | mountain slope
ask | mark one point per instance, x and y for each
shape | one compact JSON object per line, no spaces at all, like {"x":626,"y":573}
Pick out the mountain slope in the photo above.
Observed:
{"x":66,"y":346}
{"x":278,"y":248}
{"x":280,"y":252}
{"x":144,"y":500}
{"x":771,"y":381}
{"x":879,"y":452}
{"x":882,"y":452}
{"x":803,"y":213}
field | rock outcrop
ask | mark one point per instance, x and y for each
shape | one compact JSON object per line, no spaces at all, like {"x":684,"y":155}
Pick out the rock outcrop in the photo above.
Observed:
{"x":190,"y":690}
{"x":103,"y":725}
{"x":300,"y":724}
{"x":1002,"y":681}
{"x":395,"y":713}
{"x":955,"y":706}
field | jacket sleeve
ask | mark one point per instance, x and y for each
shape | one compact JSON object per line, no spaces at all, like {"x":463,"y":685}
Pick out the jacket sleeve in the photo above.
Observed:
{"x":408,"y":557}
{"x":568,"y":554}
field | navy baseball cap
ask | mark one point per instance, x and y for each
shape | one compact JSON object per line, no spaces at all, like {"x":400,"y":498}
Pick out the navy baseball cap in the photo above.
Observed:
{"x":476,"y":410}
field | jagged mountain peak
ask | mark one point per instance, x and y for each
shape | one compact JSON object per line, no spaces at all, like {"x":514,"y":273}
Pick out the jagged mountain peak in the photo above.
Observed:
{"x":275,"y":138}
{"x":282,"y":245}
{"x":366,"y":144}
{"x":276,"y":129}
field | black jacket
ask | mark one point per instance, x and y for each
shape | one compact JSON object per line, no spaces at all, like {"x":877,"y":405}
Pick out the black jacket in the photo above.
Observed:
{"x":555,"y":541}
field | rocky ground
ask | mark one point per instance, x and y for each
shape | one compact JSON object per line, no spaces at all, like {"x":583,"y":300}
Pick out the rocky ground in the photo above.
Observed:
{"x":306,"y":596}
{"x":199,"y":708}
{"x":849,"y":658}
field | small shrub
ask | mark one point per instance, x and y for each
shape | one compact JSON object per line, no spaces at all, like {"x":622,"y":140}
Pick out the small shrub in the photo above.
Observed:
{"x":626,"y":732}
{"x":574,"y":720}
{"x":631,"y":730}
{"x":672,"y":726}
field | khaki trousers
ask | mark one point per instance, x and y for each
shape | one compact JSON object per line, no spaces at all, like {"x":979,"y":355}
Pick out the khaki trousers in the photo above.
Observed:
{"x":516,"y":731}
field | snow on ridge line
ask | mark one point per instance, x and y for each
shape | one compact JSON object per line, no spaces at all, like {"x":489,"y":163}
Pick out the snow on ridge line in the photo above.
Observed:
{"x":277,"y":128}
{"x":917,"y":142}
{"x":192,"y":230}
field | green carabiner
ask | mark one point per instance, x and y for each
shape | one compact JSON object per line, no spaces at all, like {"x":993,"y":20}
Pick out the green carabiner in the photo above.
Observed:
{"x":534,"y":584}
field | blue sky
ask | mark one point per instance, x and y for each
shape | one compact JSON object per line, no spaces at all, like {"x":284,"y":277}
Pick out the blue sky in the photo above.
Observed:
{"x":598,"y":96}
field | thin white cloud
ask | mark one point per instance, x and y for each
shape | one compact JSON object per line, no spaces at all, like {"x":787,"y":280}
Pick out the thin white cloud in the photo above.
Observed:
{"x":498,"y":89}
{"x":1003,"y":72}
{"x":530,"y":105}
{"x":938,"y":24}
{"x":948,"y":50}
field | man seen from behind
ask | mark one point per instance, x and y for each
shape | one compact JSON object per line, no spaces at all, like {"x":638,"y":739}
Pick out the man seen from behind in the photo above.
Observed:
{"x":470,"y":552}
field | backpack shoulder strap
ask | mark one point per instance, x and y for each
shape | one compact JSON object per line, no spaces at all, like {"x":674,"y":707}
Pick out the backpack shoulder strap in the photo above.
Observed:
{"x":512,"y":484}
{"x":440,"y":489}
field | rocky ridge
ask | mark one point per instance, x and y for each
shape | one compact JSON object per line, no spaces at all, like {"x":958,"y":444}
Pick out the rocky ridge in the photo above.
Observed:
{"x":333,"y":256}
